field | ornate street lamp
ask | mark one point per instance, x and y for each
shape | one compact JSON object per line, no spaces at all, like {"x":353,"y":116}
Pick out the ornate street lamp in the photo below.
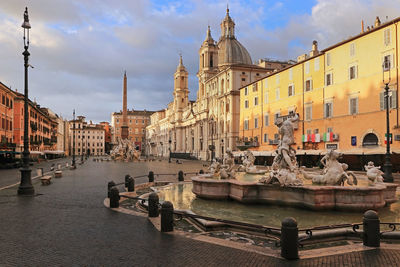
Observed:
{"x":388,"y":164}
{"x":73,"y":142}
{"x":25,"y":187}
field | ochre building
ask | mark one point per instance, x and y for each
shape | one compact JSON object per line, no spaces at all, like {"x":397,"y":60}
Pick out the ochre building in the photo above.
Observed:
{"x":339,"y":95}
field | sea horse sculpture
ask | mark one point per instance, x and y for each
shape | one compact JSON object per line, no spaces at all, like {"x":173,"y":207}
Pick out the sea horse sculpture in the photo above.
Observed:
{"x":334,"y":172}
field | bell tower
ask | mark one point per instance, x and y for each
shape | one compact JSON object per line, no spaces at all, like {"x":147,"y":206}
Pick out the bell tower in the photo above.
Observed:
{"x":208,"y":61}
{"x":181,"y":90}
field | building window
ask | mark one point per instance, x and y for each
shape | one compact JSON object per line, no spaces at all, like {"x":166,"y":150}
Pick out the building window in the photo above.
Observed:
{"x":352,"y":72}
{"x":392,"y":99}
{"x":246,"y":91}
{"x":307,"y":67}
{"x":308,"y":85}
{"x":387,"y":37}
{"x":276,"y":116}
{"x":290,"y":90}
{"x":316,"y":64}
{"x":290,"y":74}
{"x":277,"y":79}
{"x":243,"y":79}
{"x":255,"y":123}
{"x":255,"y":87}
{"x":309,"y":131}
{"x":265,"y":138}
{"x":266,"y":120}
{"x":246,"y":124}
{"x":266,"y":97}
{"x":256,"y":101}
{"x":387,"y":62}
{"x":328,"y":110}
{"x":246,"y":104}
{"x":328,"y":59}
{"x":277,"y":93}
{"x":353,"y":105}
{"x":308,"y":115}
{"x":352,"y":49}
{"x":328,"y":79}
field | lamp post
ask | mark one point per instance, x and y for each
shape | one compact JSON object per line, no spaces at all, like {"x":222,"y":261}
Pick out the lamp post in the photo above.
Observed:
{"x":169,"y":157}
{"x":388,"y":164}
{"x":25,"y":187}
{"x":73,"y":143}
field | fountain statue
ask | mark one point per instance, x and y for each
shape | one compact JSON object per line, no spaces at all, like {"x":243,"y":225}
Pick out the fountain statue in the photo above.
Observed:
{"x":334,"y":172}
{"x":227,"y":165}
{"x":284,"y":167}
{"x":125,"y":150}
{"x":224,"y":170}
{"x":374,"y":173}
{"x":248,"y":164}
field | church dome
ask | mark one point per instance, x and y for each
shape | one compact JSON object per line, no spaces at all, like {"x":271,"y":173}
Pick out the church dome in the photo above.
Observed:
{"x":230,"y":50}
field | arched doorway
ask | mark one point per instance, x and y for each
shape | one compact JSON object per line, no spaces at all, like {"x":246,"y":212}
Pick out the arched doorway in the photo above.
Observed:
{"x":370,"y":140}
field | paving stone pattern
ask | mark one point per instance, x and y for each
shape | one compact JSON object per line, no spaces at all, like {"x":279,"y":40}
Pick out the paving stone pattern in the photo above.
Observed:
{"x":66,"y":224}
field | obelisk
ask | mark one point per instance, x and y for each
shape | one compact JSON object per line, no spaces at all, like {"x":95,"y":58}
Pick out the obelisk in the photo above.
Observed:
{"x":124,"y":127}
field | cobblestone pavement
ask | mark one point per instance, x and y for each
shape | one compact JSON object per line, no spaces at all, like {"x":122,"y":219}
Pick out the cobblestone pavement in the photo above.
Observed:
{"x":66,"y":224}
{"x":12,"y":176}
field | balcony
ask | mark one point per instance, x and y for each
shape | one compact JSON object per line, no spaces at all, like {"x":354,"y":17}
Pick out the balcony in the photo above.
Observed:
{"x":246,"y":144}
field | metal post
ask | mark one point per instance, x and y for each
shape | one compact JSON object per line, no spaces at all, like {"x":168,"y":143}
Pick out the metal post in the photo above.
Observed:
{"x":289,"y":239}
{"x":169,"y":159}
{"x":126,"y":180}
{"x":131,"y":184}
{"x":371,"y":226}
{"x":25,"y":186}
{"x":114,"y":197}
{"x":109,"y":186}
{"x":167,"y":217}
{"x":181,"y":177}
{"x":388,"y":177}
{"x":151,"y":177}
{"x":73,"y":142}
{"x":153,"y":205}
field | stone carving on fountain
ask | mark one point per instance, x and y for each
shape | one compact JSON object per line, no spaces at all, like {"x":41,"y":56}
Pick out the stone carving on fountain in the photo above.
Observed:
{"x":334,"y":172}
{"x":224,"y":170}
{"x":374,"y":173}
{"x":284,"y":169}
{"x":125,"y":150}
{"x":248,"y":164}
{"x":228,"y":163}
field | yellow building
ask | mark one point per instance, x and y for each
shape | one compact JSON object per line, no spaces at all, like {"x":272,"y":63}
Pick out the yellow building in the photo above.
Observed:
{"x":339,"y":95}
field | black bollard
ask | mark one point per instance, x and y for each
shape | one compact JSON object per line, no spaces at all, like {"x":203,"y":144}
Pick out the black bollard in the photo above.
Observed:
{"x":109,"y":185}
{"x":131,"y":184}
{"x":151,"y":177}
{"x":181,"y":178}
{"x":167,"y":217}
{"x":201,"y":171}
{"x":153,"y":205}
{"x":114,"y":197}
{"x":371,"y":225}
{"x":289,"y":239}
{"x":126,"y":180}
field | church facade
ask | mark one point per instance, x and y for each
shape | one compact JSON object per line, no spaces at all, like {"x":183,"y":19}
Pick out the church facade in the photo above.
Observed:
{"x":206,"y":127}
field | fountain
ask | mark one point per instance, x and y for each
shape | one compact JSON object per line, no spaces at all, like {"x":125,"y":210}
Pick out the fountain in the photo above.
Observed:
{"x":287,"y":184}
{"x":125,"y":151}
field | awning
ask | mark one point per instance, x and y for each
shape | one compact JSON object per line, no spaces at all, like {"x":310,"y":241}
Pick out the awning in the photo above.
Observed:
{"x":54,"y":152}
{"x":36,"y":152}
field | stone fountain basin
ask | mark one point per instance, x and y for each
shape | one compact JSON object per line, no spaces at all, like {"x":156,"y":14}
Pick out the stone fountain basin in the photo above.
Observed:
{"x":349,"y":198}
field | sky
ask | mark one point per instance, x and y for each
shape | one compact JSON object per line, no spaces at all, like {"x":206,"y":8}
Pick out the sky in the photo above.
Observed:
{"x":81,"y":48}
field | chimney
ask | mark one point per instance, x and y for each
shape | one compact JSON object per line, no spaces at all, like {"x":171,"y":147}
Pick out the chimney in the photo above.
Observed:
{"x":377,"y":22}
{"x":314,"y":50}
{"x":362,"y":26}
